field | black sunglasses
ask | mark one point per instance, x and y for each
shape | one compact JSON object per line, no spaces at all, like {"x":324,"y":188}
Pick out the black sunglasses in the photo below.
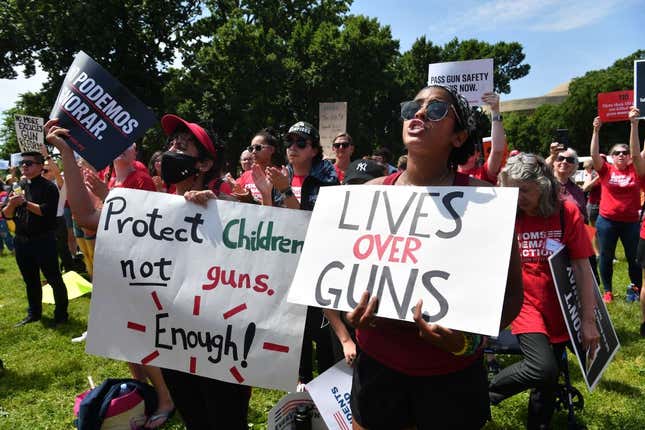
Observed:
{"x":620,"y":153}
{"x":256,"y":148}
{"x":300,"y":143}
{"x":343,"y":145}
{"x":570,"y":160}
{"x":28,"y":163}
{"x":436,"y":110}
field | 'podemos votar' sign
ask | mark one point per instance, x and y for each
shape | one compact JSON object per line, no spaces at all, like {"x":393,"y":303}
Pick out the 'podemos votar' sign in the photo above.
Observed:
{"x":449,"y":246}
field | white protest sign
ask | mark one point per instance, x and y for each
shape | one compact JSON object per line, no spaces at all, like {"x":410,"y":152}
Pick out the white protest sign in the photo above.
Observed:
{"x":331,"y":392}
{"x":449,"y":246}
{"x":283,"y":415}
{"x":470,"y":78}
{"x":29,"y":132}
{"x":15,"y":159}
{"x":4,"y":164}
{"x":333,"y":120}
{"x":198,"y":290}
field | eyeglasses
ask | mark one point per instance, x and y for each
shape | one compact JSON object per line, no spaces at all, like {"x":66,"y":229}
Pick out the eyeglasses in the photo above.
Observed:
{"x":620,"y":153}
{"x":28,"y":163}
{"x":256,"y":148}
{"x":300,"y":143}
{"x":436,"y":110}
{"x":343,"y":145}
{"x":570,"y":160}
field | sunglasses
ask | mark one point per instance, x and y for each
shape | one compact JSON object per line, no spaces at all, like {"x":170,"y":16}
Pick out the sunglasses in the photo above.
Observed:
{"x":620,"y":153}
{"x":343,"y":145}
{"x":256,"y":148}
{"x":570,"y":160}
{"x":28,"y":163}
{"x":300,"y":143}
{"x":436,"y":110}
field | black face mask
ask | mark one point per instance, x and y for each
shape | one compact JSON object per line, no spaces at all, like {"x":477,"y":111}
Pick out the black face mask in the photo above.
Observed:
{"x":175,"y":167}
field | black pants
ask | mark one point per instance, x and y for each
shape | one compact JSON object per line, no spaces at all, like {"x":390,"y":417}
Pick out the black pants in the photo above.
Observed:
{"x":208,"y":404}
{"x":66,"y":260}
{"x":317,"y":329}
{"x":37,"y":254}
{"x":539,"y":371}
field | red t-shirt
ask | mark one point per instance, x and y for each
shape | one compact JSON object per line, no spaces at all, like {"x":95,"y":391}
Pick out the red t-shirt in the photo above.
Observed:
{"x":541,"y":311}
{"x":246,"y":181}
{"x":296,"y":185}
{"x":339,"y":173}
{"x":137,"y":180}
{"x":400,"y":347}
{"x":481,"y":172}
{"x":621,"y":199}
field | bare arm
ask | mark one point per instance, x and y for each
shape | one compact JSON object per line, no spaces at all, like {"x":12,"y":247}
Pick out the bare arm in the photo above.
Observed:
{"x":584,"y":281}
{"x":594,"y":148}
{"x":514,"y":296}
{"x":85,"y":213}
{"x":498,"y":140}
{"x":349,"y":347}
{"x":590,"y":184}
{"x":634,"y":144}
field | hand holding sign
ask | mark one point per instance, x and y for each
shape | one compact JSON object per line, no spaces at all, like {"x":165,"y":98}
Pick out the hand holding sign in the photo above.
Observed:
{"x":441,"y":337}
{"x":363,"y":315}
{"x":55,"y":136}
{"x":634,"y":115}
{"x":597,"y":124}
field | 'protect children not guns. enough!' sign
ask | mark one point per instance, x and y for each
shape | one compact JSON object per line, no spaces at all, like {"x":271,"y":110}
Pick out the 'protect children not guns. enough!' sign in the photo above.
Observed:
{"x":103,"y":117}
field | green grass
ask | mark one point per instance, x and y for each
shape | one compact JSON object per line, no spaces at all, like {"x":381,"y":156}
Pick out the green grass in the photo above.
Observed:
{"x":45,"y":371}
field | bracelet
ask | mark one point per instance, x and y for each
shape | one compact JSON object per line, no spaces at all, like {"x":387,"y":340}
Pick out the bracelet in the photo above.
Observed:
{"x":472,"y":342}
{"x":287,"y":192}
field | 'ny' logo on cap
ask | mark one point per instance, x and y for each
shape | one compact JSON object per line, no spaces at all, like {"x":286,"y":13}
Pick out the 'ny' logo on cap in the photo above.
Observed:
{"x":361,"y":167}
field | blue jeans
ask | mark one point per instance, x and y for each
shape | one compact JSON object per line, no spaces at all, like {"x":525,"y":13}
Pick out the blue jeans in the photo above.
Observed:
{"x":5,"y":236}
{"x":608,"y":234}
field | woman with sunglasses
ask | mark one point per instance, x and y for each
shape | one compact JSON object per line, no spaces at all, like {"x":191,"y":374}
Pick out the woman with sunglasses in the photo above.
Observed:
{"x":620,"y":184}
{"x":565,"y":166}
{"x":540,"y":327}
{"x":424,"y":375}
{"x":343,"y":147}
{"x":191,"y":165}
{"x":263,"y":149}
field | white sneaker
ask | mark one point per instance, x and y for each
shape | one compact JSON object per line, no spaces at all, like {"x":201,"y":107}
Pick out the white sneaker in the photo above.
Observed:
{"x":81,"y":338}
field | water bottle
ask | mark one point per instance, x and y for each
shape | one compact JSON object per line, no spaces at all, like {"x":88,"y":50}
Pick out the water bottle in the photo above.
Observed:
{"x":17,"y":189}
{"x":303,"y":417}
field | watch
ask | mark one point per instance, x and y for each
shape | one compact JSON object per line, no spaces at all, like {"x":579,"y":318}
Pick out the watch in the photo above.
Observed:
{"x":496,"y":117}
{"x":287,"y":192}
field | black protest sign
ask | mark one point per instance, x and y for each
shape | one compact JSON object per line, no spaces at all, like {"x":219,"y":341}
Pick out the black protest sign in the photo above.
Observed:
{"x":103,"y":117}
{"x":592,"y":363}
{"x":639,"y":86}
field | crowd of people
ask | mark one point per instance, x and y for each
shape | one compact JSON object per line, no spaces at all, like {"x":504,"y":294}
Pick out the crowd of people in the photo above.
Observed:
{"x":405,"y":375}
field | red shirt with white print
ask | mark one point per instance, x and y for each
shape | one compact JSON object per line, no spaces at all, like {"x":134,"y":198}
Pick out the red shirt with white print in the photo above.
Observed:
{"x":620,"y":199}
{"x":538,"y":238}
{"x":246,"y":181}
{"x":296,"y":185}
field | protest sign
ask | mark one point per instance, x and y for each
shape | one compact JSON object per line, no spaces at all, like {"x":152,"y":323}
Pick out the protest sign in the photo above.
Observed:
{"x":592,"y":363}
{"x":4,"y":164}
{"x":76,"y":285}
{"x":333,"y":120}
{"x":639,"y":86}
{"x":103,"y":117}
{"x":470,"y":78}
{"x":331,"y":392}
{"x":15,"y":159}
{"x":614,"y":106}
{"x":29,"y":132}
{"x":487,"y":147}
{"x":198,"y":290}
{"x":283,"y":415}
{"x":449,"y":246}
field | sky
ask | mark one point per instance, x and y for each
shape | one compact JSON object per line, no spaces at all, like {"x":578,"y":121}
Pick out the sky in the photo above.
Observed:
{"x":561,"y":39}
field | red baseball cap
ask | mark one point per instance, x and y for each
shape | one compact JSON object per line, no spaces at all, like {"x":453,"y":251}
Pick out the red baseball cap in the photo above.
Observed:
{"x":170,"y":122}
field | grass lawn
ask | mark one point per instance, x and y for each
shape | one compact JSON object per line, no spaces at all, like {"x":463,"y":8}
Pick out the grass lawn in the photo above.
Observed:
{"x":45,"y":371}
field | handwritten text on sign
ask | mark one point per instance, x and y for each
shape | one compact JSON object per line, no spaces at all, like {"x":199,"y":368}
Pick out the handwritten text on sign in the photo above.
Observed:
{"x":449,"y":246}
{"x":29,"y":132}
{"x":470,"y":78}
{"x":198,"y":290}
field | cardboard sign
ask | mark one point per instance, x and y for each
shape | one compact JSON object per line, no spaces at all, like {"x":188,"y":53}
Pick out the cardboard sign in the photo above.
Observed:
{"x":470,"y":78}
{"x":198,"y":290}
{"x":331,"y":392}
{"x":614,"y":106}
{"x":29,"y":132}
{"x":15,"y":159}
{"x":283,"y":415}
{"x":592,"y":363}
{"x":103,"y":117}
{"x":76,"y":285}
{"x":449,"y":246}
{"x":333,"y":120}
{"x":639,"y":86}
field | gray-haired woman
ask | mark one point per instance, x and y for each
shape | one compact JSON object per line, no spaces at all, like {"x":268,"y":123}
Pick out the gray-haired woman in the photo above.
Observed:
{"x":543,"y":224}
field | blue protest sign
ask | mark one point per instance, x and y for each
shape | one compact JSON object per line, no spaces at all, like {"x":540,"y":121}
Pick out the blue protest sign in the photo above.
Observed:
{"x":639,"y":86}
{"x":103,"y":117}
